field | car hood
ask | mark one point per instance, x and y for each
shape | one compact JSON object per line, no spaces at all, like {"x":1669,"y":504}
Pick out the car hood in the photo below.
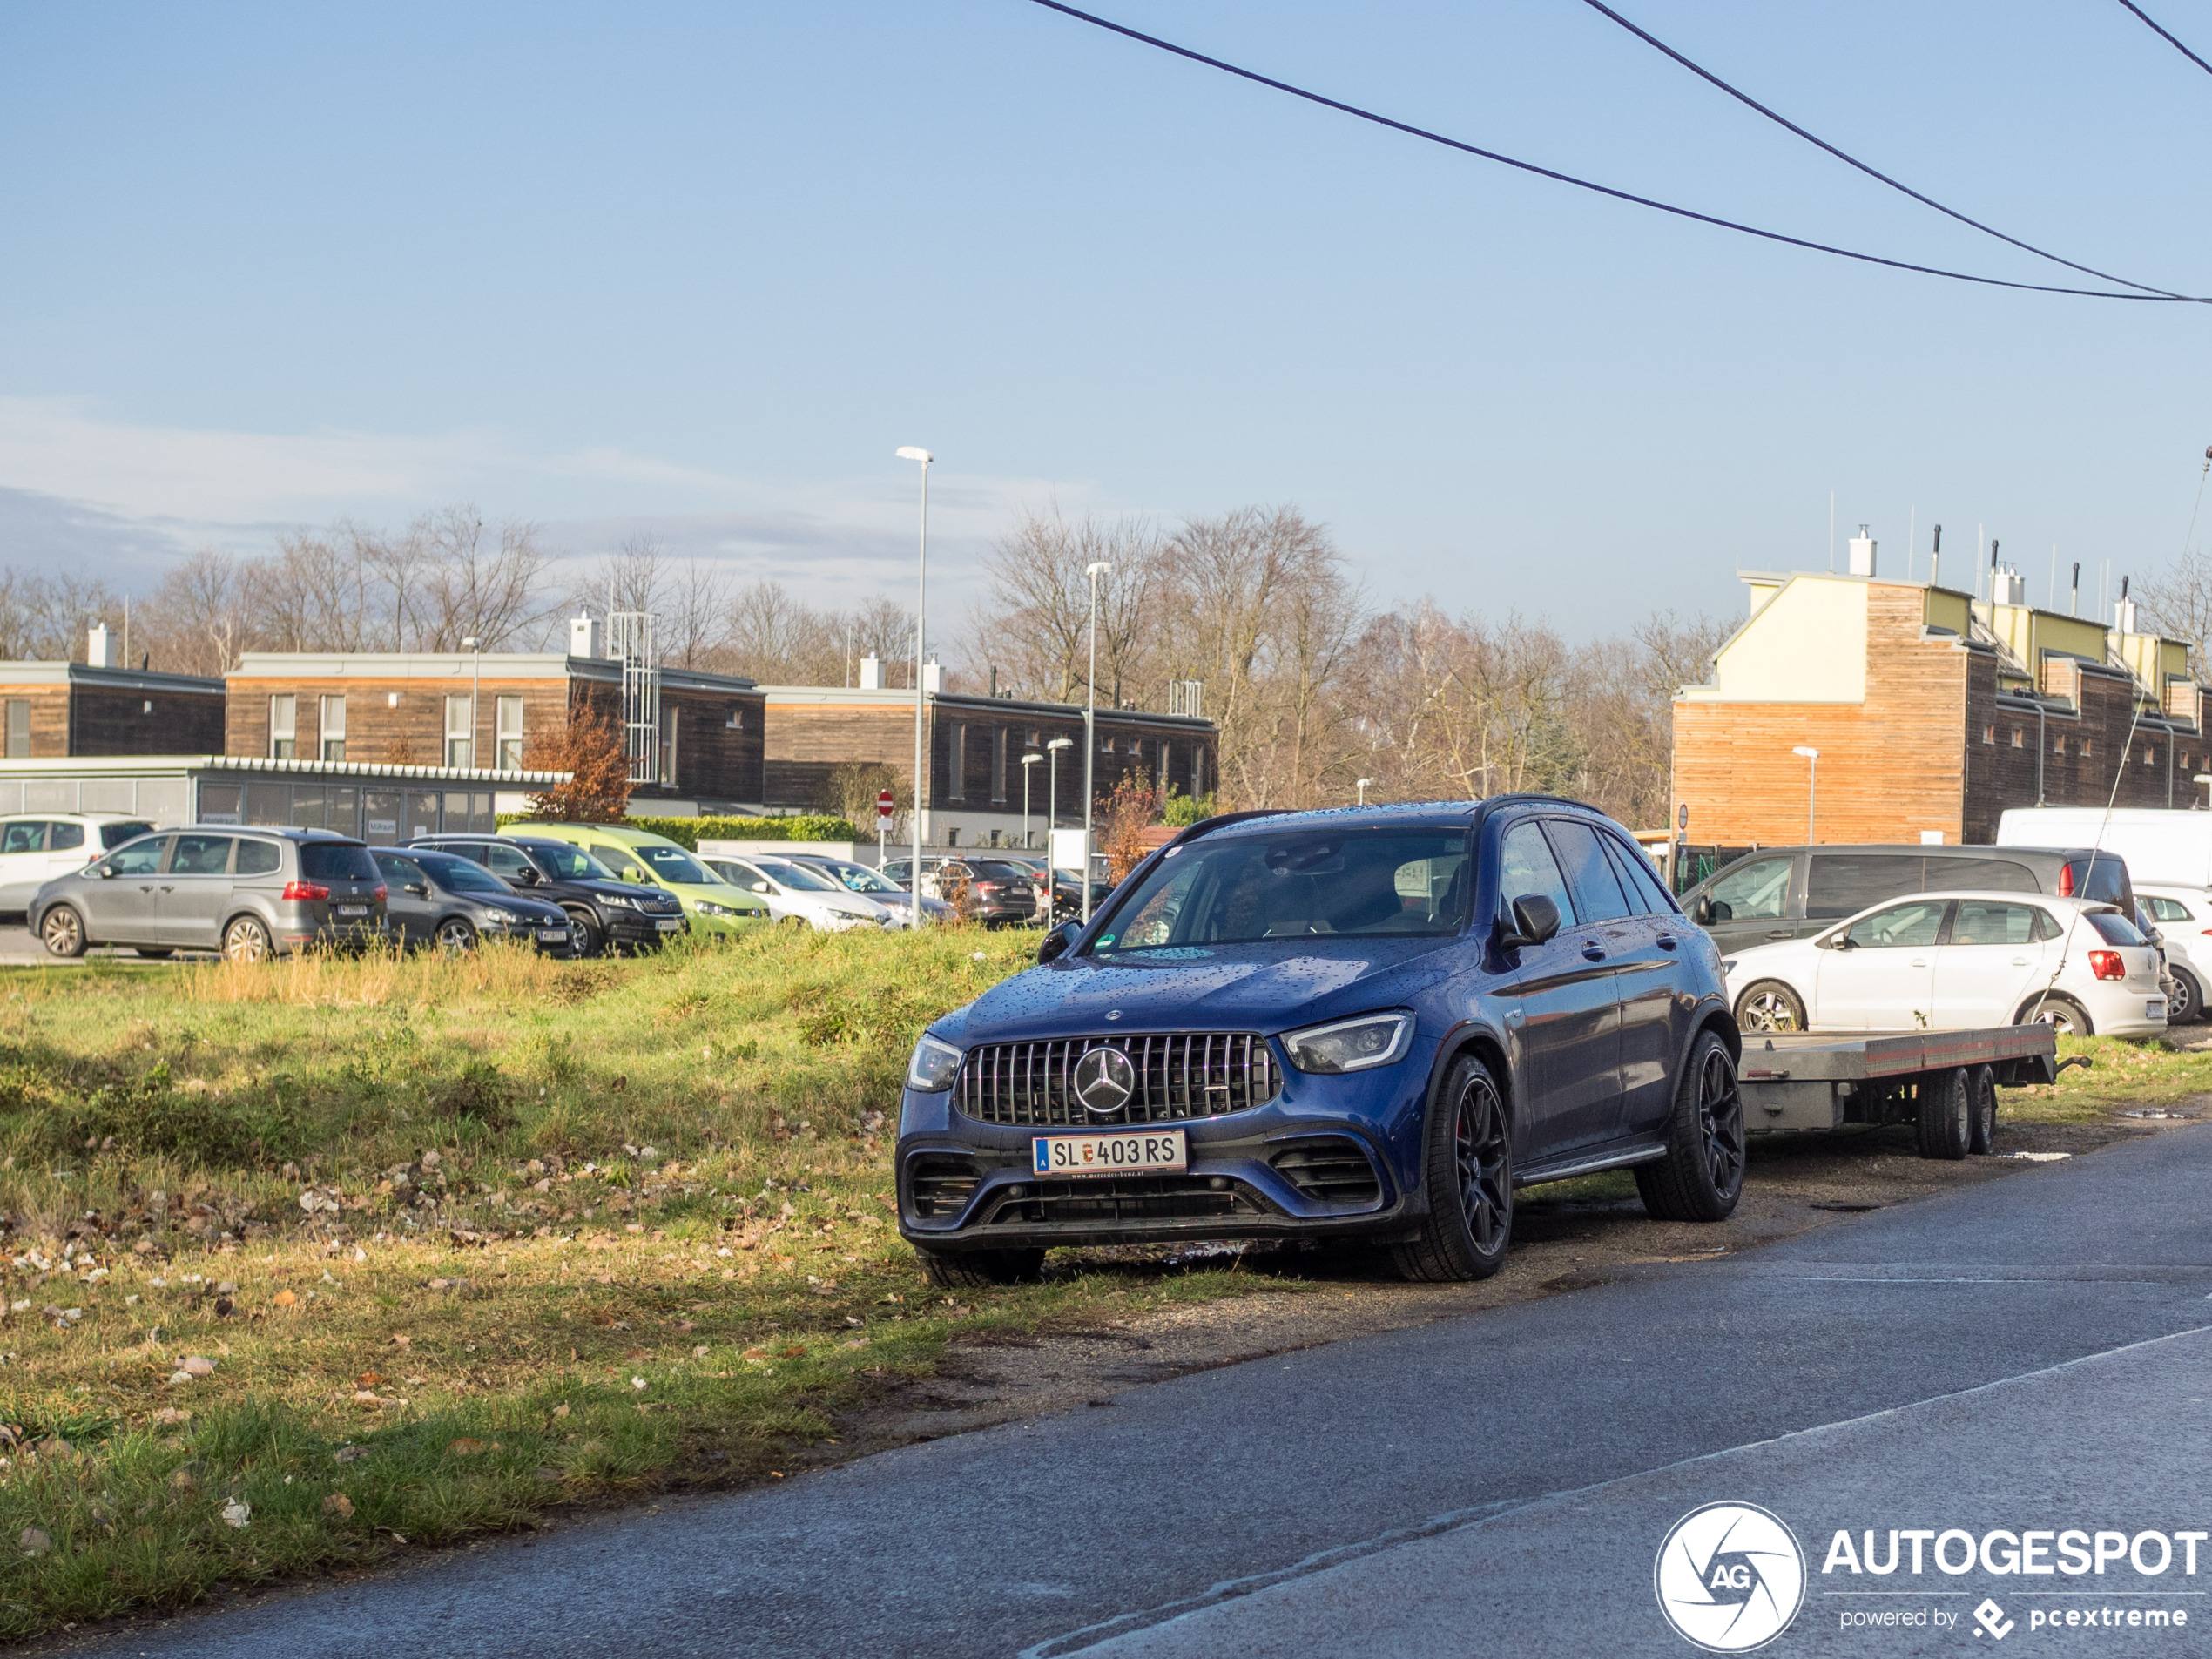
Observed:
{"x":843,"y":904}
{"x":1275,"y":986}
{"x":616,"y":889}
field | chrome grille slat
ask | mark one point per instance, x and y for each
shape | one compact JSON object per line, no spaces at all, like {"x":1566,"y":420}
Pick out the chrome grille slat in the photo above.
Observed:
{"x":1180,"y":1075}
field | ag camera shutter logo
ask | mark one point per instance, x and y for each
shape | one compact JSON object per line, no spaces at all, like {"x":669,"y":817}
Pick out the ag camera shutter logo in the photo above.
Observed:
{"x":1729,"y":1577}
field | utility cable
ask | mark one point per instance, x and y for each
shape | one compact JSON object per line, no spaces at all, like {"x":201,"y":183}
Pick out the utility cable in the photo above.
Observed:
{"x":1784,"y":121}
{"x":1411,"y":130}
{"x":2163,"y":35}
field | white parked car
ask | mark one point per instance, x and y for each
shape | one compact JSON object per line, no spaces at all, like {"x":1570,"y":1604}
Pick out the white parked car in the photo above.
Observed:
{"x":2184,"y":919}
{"x":38,"y":846}
{"x":796,"y":894}
{"x":1953,"y":961}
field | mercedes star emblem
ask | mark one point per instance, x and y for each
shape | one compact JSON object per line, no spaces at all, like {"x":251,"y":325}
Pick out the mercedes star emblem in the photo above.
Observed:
{"x":1104,"y":1080}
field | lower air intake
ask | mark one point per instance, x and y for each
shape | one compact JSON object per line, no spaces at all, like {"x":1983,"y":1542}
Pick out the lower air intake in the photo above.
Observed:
{"x":1329,"y":1169}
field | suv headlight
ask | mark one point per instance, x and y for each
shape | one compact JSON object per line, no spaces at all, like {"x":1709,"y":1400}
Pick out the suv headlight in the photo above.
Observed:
{"x":934,"y":1066}
{"x":622,"y":901}
{"x":504,"y":918}
{"x":1351,"y":1045}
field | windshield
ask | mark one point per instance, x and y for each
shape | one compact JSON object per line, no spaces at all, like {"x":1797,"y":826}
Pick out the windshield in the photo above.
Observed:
{"x":565,"y":863}
{"x":799,"y":876}
{"x":861,"y":879}
{"x":674,"y":864}
{"x":1337,"y":883}
{"x":461,"y":875}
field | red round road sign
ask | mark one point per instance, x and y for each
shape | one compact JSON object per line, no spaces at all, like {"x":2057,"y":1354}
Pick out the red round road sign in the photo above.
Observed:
{"x":883,"y":805}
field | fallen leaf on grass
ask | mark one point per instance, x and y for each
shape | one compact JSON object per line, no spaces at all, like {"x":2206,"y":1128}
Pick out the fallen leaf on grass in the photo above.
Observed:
{"x":368,"y":1380}
{"x":197,"y":1365}
{"x":285,"y":1299}
{"x":351,"y":1454}
{"x":401,"y":1342}
{"x":338,"y":1506}
{"x":237,"y":1514}
{"x":465,"y":1448}
{"x":34,"y":1543}
{"x":794,"y":1352}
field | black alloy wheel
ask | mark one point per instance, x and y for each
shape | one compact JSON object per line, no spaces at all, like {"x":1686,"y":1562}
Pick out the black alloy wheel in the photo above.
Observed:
{"x":1700,"y":1176}
{"x":1469,"y":1176}
{"x":586,"y":937}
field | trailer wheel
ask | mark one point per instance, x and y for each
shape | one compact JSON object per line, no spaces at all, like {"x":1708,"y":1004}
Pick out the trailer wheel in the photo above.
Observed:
{"x":1770,"y":1006}
{"x":1982,"y":1135}
{"x":1946,"y":1115}
{"x":1702,"y":1176}
{"x":2066,"y":1017}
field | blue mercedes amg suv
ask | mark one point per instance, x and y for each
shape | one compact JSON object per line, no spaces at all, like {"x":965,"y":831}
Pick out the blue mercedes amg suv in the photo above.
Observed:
{"x":1375,"y":1022}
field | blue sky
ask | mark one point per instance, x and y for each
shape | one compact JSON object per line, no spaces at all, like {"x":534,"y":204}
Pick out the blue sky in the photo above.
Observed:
{"x":699,"y":270}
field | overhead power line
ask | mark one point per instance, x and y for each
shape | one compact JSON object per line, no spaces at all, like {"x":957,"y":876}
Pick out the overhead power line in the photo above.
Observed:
{"x":1353,"y":110}
{"x":2167,"y":37}
{"x":1784,"y":121}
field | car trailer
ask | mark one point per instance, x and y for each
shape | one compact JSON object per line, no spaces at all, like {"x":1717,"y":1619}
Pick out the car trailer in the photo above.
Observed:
{"x":1943,"y":1081}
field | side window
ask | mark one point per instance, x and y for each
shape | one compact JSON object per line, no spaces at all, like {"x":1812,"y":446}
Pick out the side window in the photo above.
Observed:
{"x":1526,"y":866}
{"x":259,"y":857}
{"x":2166,"y":910}
{"x":625,"y":865}
{"x":24,"y":835}
{"x":2046,"y":927}
{"x":1597,"y":890}
{"x":2002,"y":875}
{"x":1901,"y":927}
{"x":1756,"y":891}
{"x":201,"y":855}
{"x":400,"y":872}
{"x":65,"y":838}
{"x":1840,"y":884}
{"x":1641,"y":881}
{"x":140,"y":858}
{"x":501,"y":859}
{"x":1983,"y":921}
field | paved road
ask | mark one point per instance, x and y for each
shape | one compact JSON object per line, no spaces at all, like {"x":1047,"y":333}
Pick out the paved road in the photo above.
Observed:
{"x":2025,"y":1353}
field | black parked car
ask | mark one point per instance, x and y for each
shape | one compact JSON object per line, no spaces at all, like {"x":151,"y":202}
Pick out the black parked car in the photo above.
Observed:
{"x":994,"y":891}
{"x":1375,"y":1022}
{"x":601,"y":910}
{"x":453,"y":902}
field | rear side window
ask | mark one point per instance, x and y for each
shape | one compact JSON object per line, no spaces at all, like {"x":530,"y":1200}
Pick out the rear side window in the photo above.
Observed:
{"x":2114,"y":928}
{"x":201,"y":855}
{"x":1525,"y":867}
{"x":1641,"y":880}
{"x":114,"y":836}
{"x":65,"y":838}
{"x":1597,"y":890}
{"x":1982,"y":876}
{"x":337,"y":861}
{"x":1985,"y":921}
{"x":2167,"y":910}
{"x":259,"y":857}
{"x":1842,"y":883}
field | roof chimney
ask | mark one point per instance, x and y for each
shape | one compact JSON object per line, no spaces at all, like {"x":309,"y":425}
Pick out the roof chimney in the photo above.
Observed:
{"x":584,"y":636}
{"x":95,"y":647}
{"x":871,"y":672}
{"x":1862,"y":553}
{"x":2008,"y":587}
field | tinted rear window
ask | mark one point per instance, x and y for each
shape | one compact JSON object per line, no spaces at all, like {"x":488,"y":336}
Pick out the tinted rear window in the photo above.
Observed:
{"x":114,"y":836}
{"x":337,"y":861}
{"x":2115,"y":929}
{"x":1981,"y":875}
{"x":2104,"y":879}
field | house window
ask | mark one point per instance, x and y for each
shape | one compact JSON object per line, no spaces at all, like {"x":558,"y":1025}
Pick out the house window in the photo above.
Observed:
{"x":334,"y":729}
{"x":2086,"y":744}
{"x":2058,"y":745}
{"x":1989,"y":734}
{"x":284,"y":729}
{"x":510,"y":733}
{"x":19,"y":728}
{"x":2019,"y":738}
{"x":461,"y":746}
{"x":957,"y":784}
{"x":999,"y":739}
{"x":668,"y":745}
{"x":2150,"y":757}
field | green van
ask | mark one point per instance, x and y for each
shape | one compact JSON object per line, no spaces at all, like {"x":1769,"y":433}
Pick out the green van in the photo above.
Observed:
{"x":714,"y":905}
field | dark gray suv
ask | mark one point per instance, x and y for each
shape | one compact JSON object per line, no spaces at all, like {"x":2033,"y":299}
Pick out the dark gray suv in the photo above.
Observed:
{"x":453,"y":902}
{"x":247,"y":893}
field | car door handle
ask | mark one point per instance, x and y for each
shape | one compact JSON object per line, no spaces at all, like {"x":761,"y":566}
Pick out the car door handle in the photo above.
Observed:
{"x":1666,"y":941}
{"x":1593,"y":952}
{"x":2020,"y":961}
{"x":1778,"y":933}
{"x":1919,"y":961}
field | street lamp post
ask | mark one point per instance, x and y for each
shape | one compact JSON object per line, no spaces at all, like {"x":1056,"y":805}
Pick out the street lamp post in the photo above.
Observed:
{"x":1813,"y":784}
{"x":475,"y":691}
{"x":1028,"y":761}
{"x":1090,"y":728}
{"x":1362,"y":783}
{"x":921,"y":601}
{"x":1052,"y":809}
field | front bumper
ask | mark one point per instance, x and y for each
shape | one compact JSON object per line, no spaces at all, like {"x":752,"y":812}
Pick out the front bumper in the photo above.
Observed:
{"x":1328,"y":1156}
{"x":635,"y":929}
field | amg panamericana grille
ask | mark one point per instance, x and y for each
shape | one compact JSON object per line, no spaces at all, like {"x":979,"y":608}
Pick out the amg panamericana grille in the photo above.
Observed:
{"x":1179,"y":1076}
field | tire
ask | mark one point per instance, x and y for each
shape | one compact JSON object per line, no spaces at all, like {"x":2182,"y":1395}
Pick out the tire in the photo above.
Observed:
{"x":62,"y":931}
{"x":586,"y":937}
{"x":1701,"y":1177}
{"x":1946,"y":1117}
{"x":1466,"y":1165}
{"x":455,"y":936}
{"x":246,"y":941}
{"x":976,"y":1269}
{"x":2187,"y":1006}
{"x":1981,"y":1134}
{"x":1770,"y":1006}
{"x":2069,"y":1017}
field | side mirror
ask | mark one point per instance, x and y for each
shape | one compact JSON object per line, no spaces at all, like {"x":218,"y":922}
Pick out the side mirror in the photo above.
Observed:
{"x":417,"y":889}
{"x":105,"y":872}
{"x":527,"y":876}
{"x":1536,"y":919}
{"x":1058,"y":943}
{"x":1701,"y":912}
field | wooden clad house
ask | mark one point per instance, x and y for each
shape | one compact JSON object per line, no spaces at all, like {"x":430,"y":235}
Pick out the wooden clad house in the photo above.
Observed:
{"x":1932,"y":711}
{"x":59,"y":710}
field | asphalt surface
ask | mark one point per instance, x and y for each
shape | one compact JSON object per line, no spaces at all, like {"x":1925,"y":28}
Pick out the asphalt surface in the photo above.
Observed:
{"x":2035,"y":1352}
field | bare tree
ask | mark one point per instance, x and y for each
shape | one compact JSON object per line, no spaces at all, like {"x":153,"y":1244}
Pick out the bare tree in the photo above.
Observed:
{"x":2178,"y":602}
{"x":199,"y":620}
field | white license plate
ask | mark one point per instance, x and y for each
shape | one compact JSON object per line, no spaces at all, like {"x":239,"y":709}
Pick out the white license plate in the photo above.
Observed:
{"x":669,"y":924}
{"x":352,"y":909}
{"x":2156,"y":1010}
{"x":553,"y":935}
{"x":1133,"y":1150}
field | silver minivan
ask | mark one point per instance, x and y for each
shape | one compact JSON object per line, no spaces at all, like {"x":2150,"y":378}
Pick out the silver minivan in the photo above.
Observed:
{"x":247,"y":893}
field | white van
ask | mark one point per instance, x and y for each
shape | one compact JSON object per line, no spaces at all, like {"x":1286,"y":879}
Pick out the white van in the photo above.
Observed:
{"x":38,"y":846}
{"x":2156,"y":845}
